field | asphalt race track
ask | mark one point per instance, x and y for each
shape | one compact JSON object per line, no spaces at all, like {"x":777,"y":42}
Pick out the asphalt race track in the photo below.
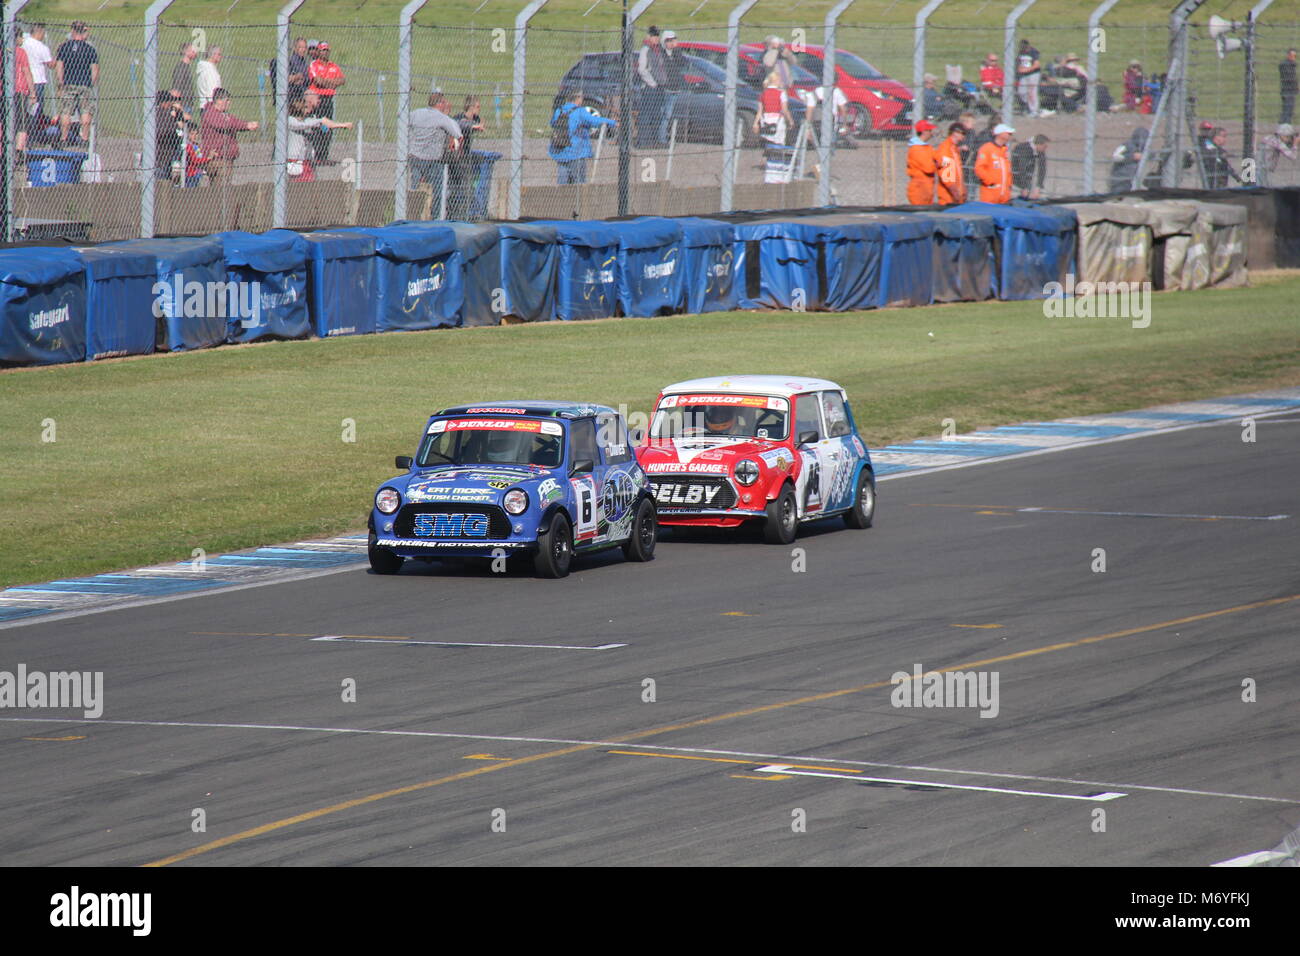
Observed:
{"x":1118,"y":691}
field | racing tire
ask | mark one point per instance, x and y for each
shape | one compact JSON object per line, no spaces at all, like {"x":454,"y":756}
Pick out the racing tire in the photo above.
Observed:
{"x":555,"y":549}
{"x":641,"y":545}
{"x":864,"y":503}
{"x":782,"y":522}
{"x":859,"y":121}
{"x":383,"y":561}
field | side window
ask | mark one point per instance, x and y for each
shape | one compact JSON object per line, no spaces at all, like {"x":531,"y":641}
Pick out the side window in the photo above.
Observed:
{"x":582,"y":438}
{"x":611,"y":434}
{"x":807,"y":418}
{"x":837,"y":419}
{"x":811,"y":63}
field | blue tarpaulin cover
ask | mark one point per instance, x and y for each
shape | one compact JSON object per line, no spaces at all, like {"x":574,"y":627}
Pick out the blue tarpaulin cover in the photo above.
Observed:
{"x":480,"y":253}
{"x":1068,"y":238}
{"x":340,"y":281}
{"x":530,"y":262}
{"x":193,"y":303}
{"x":277,"y":263}
{"x":586,"y":284}
{"x":119,"y":301}
{"x":873,"y":260}
{"x":42,"y":306}
{"x":419,"y":276}
{"x":650,"y":266}
{"x":709,"y":254}
{"x":777,"y":264}
{"x":963,"y":257}
{"x":1029,"y":247}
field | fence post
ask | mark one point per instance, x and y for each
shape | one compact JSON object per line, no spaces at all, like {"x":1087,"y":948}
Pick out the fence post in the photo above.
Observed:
{"x":825,"y":147}
{"x":1178,"y":51}
{"x":1248,"y":127}
{"x":280,"y":154}
{"x":8,"y":84}
{"x":1172,"y":77}
{"x":149,"y":148}
{"x":1009,"y":79}
{"x":918,"y":58}
{"x":404,"y":104}
{"x":625,"y":107}
{"x":729,"y":145}
{"x":1090,"y":106}
{"x":517,"y":105}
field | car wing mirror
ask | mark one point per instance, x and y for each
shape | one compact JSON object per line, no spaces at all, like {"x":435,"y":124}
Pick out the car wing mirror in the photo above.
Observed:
{"x":403,"y":462}
{"x":583,"y":466}
{"x":810,"y":437}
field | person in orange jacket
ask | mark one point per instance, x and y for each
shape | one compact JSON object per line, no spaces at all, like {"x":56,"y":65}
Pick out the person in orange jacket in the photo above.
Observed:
{"x":952,"y":180}
{"x":921,"y":165}
{"x":993,"y":166}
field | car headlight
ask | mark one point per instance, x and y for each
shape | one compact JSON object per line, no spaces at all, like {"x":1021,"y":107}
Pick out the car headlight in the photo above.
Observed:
{"x":747,"y":471}
{"x":515,"y":501}
{"x":387,"y":500}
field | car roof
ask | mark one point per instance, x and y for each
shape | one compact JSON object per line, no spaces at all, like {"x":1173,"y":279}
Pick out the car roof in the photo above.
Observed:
{"x":782,"y":385}
{"x":529,"y":408}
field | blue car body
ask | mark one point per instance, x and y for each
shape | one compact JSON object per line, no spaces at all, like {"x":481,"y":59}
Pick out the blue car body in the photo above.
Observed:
{"x":458,"y":508}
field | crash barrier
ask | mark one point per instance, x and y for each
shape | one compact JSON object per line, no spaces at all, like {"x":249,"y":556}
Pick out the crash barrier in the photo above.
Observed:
{"x":62,"y":304}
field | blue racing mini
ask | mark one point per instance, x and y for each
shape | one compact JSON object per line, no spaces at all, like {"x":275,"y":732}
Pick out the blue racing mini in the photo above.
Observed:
{"x":491,"y":480}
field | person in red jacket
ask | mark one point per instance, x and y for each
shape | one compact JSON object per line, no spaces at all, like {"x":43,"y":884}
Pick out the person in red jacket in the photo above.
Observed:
{"x":921,"y":165}
{"x":951,"y":178}
{"x":219,"y":129}
{"x":991,"y":76}
{"x":993,"y":166}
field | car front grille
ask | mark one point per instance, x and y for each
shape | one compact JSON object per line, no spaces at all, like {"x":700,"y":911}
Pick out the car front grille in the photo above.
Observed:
{"x":693,"y":492}
{"x":464,"y":521}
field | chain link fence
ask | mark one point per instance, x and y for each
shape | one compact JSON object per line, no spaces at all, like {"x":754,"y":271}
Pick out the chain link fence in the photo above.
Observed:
{"x":367,"y":150}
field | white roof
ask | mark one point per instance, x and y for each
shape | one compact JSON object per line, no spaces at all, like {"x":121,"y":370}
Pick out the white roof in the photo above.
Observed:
{"x":782,"y":385}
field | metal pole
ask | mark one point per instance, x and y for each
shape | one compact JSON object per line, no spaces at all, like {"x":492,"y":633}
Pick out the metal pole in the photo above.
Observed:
{"x":1009,"y":78}
{"x":625,"y":100}
{"x":280,"y":154}
{"x":149,"y":148}
{"x":729,"y":145}
{"x":1248,"y":129}
{"x":517,"y":105}
{"x":8,"y":84}
{"x":400,"y":187}
{"x":825,"y":147}
{"x":1178,"y":50}
{"x":1090,"y":107}
{"x":918,"y":58}
{"x":1174,"y":76}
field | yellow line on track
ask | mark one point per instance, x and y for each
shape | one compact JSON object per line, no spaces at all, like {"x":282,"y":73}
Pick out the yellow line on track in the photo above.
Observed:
{"x":690,"y":724}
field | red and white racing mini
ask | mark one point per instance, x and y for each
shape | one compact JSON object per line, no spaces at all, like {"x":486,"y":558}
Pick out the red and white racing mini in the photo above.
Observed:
{"x":742,"y":447}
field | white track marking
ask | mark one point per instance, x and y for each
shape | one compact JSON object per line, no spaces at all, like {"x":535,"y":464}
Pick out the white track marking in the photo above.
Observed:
{"x":782,"y":768}
{"x":405,"y":643}
{"x":792,"y":758}
{"x":1146,"y":514}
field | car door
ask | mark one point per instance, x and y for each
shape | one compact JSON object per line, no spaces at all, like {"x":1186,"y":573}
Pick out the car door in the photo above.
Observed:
{"x":810,"y":482}
{"x":586,"y":487}
{"x":619,"y":488}
{"x":838,"y":452}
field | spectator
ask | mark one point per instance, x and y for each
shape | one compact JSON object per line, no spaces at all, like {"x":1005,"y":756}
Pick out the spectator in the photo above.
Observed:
{"x":814,"y":102}
{"x":777,"y":56}
{"x":652,"y":70}
{"x":932,"y":102}
{"x":183,"y":76}
{"x":1215,"y":162}
{"x":993,"y":167}
{"x":571,"y":146}
{"x":461,"y":160}
{"x":169,"y":132}
{"x":39,"y":59}
{"x":965,"y":147}
{"x":1280,"y":144}
{"x":1073,"y":81}
{"x":219,"y":129}
{"x":433,"y":132}
{"x":195,"y":159}
{"x":326,"y":78}
{"x":1287,"y":83}
{"x":209,"y":78}
{"x":1029,"y":167}
{"x":991,"y":76}
{"x":774,"y":119}
{"x":24,"y":96}
{"x":674,"y":81}
{"x":298,"y":152}
{"x":313,"y":48}
{"x":1133,"y":83}
{"x":296,"y":70}
{"x":921,"y":166}
{"x":1127,"y":157}
{"x":951,"y":186}
{"x":1028,"y":73}
{"x":77,"y":73}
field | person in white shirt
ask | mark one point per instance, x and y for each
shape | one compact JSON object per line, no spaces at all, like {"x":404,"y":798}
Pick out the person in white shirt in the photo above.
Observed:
{"x":208,"y":79}
{"x":38,"y":56}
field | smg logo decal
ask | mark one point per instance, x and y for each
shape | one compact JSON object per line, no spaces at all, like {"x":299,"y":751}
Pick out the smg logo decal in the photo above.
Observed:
{"x":671,"y":493}
{"x":451,"y":526}
{"x":617,"y":495}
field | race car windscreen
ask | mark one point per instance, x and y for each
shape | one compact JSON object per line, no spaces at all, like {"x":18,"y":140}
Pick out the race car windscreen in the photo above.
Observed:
{"x":721,"y":416}
{"x":489,"y":441}
{"x":857,"y":67}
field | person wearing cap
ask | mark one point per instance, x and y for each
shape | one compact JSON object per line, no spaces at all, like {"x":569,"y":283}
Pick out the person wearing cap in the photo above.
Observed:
{"x":326,"y":78}
{"x":1029,"y":167}
{"x":993,"y":166}
{"x":992,"y":78}
{"x":951,"y":185}
{"x":674,"y":81}
{"x":652,"y":71}
{"x":1275,"y":147}
{"x":921,"y":166}
{"x":207,"y":78}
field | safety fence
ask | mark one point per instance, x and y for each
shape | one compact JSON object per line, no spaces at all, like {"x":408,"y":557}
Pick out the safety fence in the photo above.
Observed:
{"x":114,"y":161}
{"x":65,"y":303}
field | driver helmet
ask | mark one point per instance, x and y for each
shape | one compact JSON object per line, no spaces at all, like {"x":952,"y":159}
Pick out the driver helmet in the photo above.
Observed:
{"x":720,"y":419}
{"x":500,"y":446}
